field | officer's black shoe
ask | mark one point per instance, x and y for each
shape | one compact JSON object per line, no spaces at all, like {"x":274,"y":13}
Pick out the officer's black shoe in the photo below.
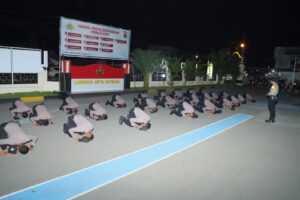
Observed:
{"x":121,"y":120}
{"x":172,"y":112}
{"x":270,"y":121}
{"x":106,"y":103}
{"x":135,"y":100}
{"x":16,"y":118}
{"x":86,"y":112}
{"x":65,"y":128}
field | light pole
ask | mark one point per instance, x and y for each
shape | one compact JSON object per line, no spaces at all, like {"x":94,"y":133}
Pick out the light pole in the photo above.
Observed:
{"x":242,"y":63}
{"x":197,"y":78}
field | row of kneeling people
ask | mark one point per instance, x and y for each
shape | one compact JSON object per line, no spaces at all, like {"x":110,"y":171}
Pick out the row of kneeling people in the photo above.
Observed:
{"x":13,"y":138}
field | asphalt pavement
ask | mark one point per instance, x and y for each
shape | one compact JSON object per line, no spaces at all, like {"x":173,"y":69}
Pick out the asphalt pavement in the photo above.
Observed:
{"x":252,"y":160}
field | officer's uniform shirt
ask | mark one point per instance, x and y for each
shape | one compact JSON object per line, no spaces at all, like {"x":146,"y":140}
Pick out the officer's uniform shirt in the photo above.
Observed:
{"x":150,"y":103}
{"x":140,"y":117}
{"x":17,"y":136}
{"x":178,"y":94}
{"x":170,"y":100}
{"x":162,"y":94}
{"x":209,"y":105}
{"x":82,"y":125}
{"x":195,"y":99}
{"x":98,"y":110}
{"x":241,"y":98}
{"x":144,"y":95}
{"x":20,"y":107}
{"x":273,"y":90}
{"x":214,"y":96}
{"x":70,"y":103}
{"x":225,"y":94}
{"x":234,"y":100}
{"x":119,"y":100}
{"x":42,"y":113}
{"x":187,"y":108}
{"x":227,"y":103}
{"x":207,"y":96}
{"x":249,"y":97}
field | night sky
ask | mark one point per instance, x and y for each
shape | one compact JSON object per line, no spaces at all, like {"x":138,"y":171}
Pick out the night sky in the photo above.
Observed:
{"x":190,"y":25}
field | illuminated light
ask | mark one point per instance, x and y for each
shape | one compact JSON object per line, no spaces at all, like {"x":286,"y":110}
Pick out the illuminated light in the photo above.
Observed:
{"x":237,"y":53}
{"x":242,"y":45}
{"x":209,"y":70}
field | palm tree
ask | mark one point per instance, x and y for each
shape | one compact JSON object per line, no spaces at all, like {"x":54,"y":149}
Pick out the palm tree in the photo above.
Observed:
{"x":146,"y":60}
{"x":224,"y":63}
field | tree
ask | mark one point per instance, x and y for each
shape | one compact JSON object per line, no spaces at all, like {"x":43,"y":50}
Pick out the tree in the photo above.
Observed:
{"x":174,"y":67}
{"x":224,"y":63}
{"x":190,"y":69}
{"x":146,"y":60}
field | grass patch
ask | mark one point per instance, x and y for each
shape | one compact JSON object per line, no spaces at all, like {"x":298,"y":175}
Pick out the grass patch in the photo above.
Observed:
{"x":26,"y":94}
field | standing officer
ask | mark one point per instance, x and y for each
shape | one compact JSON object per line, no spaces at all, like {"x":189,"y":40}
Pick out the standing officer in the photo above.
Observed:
{"x":272,"y":100}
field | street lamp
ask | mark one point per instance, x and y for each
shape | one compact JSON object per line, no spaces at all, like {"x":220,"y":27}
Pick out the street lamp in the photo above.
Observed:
{"x":243,"y":46}
{"x":242,"y":62}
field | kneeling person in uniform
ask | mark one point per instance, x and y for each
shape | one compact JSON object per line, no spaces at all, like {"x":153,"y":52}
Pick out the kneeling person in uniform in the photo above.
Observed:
{"x":13,"y":139}
{"x":116,"y":101}
{"x":147,"y":103}
{"x":19,"y":107}
{"x":207,"y":107}
{"x":69,"y":105}
{"x":167,"y":102}
{"x":79,"y":128}
{"x":40,"y":116}
{"x":136,"y":118}
{"x":96,"y":112}
{"x":184,"y":109}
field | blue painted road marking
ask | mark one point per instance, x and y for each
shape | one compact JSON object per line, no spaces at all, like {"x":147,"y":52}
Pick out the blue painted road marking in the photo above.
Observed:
{"x":88,"y":179}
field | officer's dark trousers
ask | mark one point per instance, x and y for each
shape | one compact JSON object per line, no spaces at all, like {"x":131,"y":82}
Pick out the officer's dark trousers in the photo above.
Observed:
{"x":271,"y":106}
{"x":129,"y":116}
{"x":126,"y":121}
{"x":178,"y":111}
{"x":143,"y":104}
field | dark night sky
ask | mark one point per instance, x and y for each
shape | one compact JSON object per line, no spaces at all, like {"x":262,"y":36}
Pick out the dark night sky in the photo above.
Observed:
{"x":192,"y":25}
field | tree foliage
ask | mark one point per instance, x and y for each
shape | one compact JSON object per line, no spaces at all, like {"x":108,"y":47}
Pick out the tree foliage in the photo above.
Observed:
{"x":190,"y":69}
{"x":146,"y":61}
{"x":224,"y":63}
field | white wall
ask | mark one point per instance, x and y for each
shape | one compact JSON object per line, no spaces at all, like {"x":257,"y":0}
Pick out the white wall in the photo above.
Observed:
{"x":43,"y":85}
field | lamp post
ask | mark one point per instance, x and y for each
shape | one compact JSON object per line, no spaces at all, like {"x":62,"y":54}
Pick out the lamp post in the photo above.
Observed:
{"x":242,"y":63}
{"x":197,"y":78}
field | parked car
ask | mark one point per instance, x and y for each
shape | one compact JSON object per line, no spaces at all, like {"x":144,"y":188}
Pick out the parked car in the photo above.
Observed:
{"x":53,"y":73}
{"x":53,"y":70}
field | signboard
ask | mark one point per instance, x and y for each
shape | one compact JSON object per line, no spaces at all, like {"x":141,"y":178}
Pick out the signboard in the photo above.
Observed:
{"x":209,"y":72}
{"x":88,"y":40}
{"x":20,"y":60}
{"x":96,"y":78}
